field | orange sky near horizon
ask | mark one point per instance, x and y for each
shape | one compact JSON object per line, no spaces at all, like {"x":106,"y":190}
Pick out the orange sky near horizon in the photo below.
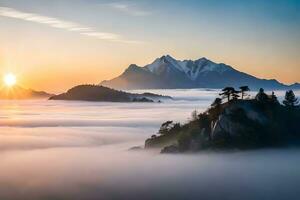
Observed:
{"x":93,"y":41}
{"x":58,"y":71}
{"x":61,"y":79}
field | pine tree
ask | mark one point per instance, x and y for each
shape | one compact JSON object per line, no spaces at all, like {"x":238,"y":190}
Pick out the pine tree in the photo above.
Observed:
{"x":235,"y":95}
{"x":227,"y":92}
{"x":274,"y":99}
{"x":243,"y":90}
{"x":262,"y":96}
{"x":290,"y":99}
{"x":165,"y":127}
{"x":217,"y":102}
{"x":194,"y":115}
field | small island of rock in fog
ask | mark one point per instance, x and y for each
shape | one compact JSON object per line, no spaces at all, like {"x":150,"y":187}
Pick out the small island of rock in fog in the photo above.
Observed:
{"x":235,"y":124}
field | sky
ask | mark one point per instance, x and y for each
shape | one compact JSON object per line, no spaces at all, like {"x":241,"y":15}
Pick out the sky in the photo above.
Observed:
{"x":54,"y":45}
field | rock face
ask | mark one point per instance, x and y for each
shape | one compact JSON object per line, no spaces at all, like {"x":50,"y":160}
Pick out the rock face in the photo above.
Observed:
{"x":238,"y":124}
{"x":167,"y":72}
{"x":170,"y":149}
{"x":101,"y":93}
{"x":229,"y":124}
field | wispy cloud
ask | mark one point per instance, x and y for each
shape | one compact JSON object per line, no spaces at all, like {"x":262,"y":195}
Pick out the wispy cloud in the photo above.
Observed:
{"x":62,"y":24}
{"x":129,"y":9}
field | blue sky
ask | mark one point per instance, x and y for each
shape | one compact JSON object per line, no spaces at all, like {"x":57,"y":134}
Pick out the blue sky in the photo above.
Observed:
{"x":259,"y":37}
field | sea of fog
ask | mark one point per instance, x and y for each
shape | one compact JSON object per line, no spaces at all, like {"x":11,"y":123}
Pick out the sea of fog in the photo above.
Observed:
{"x":79,"y":150}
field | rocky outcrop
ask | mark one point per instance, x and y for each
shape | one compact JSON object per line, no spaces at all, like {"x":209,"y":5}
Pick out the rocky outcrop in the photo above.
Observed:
{"x":231,"y":123}
{"x":161,"y":141}
{"x":238,"y":124}
{"x":170,"y":149}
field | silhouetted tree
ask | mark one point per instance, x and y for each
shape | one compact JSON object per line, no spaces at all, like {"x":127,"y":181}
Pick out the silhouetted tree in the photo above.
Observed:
{"x":274,"y":99}
{"x":216,"y":108}
{"x":290,"y":100}
{"x":235,"y":95}
{"x":243,"y":90}
{"x":227,"y":92}
{"x":217,"y":102}
{"x":164,"y":128}
{"x":176,"y":127}
{"x":261,"y":96}
{"x":194,"y":115}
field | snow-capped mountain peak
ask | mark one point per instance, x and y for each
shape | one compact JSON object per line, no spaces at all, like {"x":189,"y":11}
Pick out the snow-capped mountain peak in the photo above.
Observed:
{"x":191,"y":69}
{"x":167,"y":72}
{"x":164,"y":63}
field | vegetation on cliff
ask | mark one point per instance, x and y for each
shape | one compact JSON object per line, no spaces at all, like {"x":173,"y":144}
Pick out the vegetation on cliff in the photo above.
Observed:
{"x":237,"y":123}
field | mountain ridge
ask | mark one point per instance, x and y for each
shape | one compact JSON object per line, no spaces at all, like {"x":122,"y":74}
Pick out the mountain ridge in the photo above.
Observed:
{"x":168,"y":73}
{"x":104,"y":94}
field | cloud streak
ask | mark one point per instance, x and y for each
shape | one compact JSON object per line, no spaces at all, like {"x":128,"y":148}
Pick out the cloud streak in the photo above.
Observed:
{"x":129,"y":9}
{"x":63,"y":24}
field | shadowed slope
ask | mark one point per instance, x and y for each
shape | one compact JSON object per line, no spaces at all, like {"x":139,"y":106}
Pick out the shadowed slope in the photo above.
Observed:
{"x":101,"y":93}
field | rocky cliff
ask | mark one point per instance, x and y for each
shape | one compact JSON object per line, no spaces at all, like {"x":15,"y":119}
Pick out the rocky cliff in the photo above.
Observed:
{"x":237,"y":124}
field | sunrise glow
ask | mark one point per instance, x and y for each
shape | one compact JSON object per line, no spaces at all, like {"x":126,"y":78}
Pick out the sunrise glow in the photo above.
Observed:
{"x":9,"y":79}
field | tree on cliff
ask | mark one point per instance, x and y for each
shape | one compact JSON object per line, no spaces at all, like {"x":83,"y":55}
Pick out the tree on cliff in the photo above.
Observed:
{"x":217,"y":102}
{"x":290,"y":100}
{"x":262,"y":96}
{"x":226,"y":93}
{"x":235,"y":95}
{"x":165,"y":127}
{"x":194,"y":115}
{"x":230,"y":93}
{"x":215,"y":109}
{"x":274,"y":99}
{"x":243,"y":90}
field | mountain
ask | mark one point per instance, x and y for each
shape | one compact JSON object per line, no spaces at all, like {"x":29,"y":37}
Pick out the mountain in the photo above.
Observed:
{"x":100,"y":93}
{"x":18,"y":92}
{"x":166,"y":72}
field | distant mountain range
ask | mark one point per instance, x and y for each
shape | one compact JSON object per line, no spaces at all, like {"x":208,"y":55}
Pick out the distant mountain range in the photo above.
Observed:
{"x":18,"y":92}
{"x":100,"y":93}
{"x":168,"y":73}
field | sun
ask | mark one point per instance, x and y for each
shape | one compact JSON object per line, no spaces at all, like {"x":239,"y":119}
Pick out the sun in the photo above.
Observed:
{"x":9,"y":79}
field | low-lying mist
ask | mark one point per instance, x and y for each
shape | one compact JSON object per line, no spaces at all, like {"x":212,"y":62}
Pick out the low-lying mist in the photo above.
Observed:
{"x":111,"y":172}
{"x":79,"y":150}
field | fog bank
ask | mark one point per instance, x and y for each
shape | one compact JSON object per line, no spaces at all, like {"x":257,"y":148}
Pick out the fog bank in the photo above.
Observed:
{"x":111,"y":173}
{"x":79,"y":150}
